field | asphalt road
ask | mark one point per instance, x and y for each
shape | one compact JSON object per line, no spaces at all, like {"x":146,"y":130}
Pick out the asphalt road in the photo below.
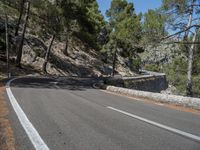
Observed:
{"x":71,"y":115}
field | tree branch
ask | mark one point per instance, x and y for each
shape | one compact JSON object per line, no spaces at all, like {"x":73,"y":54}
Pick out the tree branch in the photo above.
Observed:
{"x":196,"y":43}
{"x":179,"y":32}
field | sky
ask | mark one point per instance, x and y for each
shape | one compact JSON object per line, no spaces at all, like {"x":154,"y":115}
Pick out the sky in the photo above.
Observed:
{"x":140,"y":5}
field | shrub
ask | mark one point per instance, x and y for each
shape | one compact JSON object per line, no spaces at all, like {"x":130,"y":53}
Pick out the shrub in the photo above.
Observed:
{"x":152,"y":67}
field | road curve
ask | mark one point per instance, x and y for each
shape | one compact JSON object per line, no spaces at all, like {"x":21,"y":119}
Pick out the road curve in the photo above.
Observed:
{"x":69,"y":114}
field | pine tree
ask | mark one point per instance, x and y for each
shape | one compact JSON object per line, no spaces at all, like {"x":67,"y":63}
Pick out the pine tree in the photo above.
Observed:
{"x":126,"y":29}
{"x":153,"y":26}
{"x":182,"y":19}
{"x":21,"y":43}
{"x":22,"y":2}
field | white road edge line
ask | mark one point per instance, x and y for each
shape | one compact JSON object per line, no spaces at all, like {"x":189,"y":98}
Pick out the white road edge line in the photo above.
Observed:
{"x":32,"y":133}
{"x":185,"y":134}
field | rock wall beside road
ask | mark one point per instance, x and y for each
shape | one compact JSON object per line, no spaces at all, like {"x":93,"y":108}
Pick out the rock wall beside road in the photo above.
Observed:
{"x":174,"y":99}
{"x":152,"y":82}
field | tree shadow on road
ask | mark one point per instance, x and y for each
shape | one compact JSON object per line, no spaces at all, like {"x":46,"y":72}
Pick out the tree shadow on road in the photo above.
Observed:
{"x":60,"y":83}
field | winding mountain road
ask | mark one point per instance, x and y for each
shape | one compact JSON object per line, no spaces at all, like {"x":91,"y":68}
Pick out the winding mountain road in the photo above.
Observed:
{"x":68,"y":114}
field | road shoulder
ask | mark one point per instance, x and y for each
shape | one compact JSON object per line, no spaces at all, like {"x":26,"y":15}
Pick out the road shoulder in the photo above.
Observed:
{"x":162,"y":104}
{"x":7,"y":141}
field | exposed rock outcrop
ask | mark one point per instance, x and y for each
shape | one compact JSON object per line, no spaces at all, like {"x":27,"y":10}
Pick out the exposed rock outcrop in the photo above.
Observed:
{"x":80,"y":61}
{"x":162,"y":53}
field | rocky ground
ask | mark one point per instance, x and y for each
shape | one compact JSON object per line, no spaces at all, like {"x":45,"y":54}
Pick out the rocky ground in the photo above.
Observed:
{"x":163,"y":53}
{"x":25,"y":70}
{"x":80,"y":61}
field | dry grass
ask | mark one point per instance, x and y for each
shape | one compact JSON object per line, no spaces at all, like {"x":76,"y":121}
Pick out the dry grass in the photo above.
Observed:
{"x":7,"y":141}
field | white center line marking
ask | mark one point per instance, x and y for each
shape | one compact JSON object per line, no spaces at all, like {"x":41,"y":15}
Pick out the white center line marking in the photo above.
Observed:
{"x":188,"y":135}
{"x":32,"y":133}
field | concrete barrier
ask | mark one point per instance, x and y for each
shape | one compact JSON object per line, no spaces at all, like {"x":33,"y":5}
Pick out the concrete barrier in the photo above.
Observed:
{"x":174,"y":99}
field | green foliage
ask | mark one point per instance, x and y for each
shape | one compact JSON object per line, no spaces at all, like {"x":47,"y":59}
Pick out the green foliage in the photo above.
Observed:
{"x":87,"y":38}
{"x":196,"y":62}
{"x":50,"y":17}
{"x":95,"y":17}
{"x":182,"y":15}
{"x":152,"y":67}
{"x":153,"y":26}
{"x":95,"y":21}
{"x":8,"y":7}
{"x":61,"y":17}
{"x":177,"y":12}
{"x":124,"y":29}
{"x":125,"y":24}
{"x":196,"y":86}
{"x":179,"y":5}
{"x":135,"y":64}
{"x":176,"y":75}
{"x":116,"y":11}
{"x":83,"y":18}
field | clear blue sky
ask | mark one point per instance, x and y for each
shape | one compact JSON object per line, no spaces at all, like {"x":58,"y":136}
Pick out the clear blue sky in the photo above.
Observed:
{"x":140,"y":5}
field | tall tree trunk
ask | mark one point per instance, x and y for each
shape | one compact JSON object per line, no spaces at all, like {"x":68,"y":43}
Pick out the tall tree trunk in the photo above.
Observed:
{"x":190,"y":62}
{"x":7,"y":45}
{"x":20,"y":47}
{"x":114,"y":62}
{"x":68,"y":39}
{"x":44,"y":67}
{"x":190,"y":53}
{"x":20,"y":17}
{"x":66,"y":50}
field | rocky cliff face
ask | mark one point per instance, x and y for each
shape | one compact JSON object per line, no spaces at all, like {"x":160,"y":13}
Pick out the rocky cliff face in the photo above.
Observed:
{"x":161,"y":53}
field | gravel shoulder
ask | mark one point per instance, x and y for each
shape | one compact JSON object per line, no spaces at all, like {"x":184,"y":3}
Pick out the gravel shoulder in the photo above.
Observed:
{"x":7,"y":141}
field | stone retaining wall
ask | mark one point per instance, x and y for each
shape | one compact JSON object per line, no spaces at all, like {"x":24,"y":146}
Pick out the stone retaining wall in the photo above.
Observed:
{"x":179,"y":100}
{"x":151,"y":81}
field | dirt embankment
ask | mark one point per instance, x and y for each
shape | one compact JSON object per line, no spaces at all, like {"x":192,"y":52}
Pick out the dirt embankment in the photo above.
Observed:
{"x":7,"y":141}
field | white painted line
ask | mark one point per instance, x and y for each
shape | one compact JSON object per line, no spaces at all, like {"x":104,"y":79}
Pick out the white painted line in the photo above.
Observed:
{"x":188,"y":135}
{"x":32,"y":133}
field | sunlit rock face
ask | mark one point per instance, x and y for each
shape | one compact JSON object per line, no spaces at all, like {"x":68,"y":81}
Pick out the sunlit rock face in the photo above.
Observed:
{"x":162,"y":53}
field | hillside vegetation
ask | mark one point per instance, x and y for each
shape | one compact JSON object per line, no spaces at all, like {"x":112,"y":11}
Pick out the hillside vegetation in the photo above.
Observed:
{"x":73,"y":38}
{"x":57,"y":38}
